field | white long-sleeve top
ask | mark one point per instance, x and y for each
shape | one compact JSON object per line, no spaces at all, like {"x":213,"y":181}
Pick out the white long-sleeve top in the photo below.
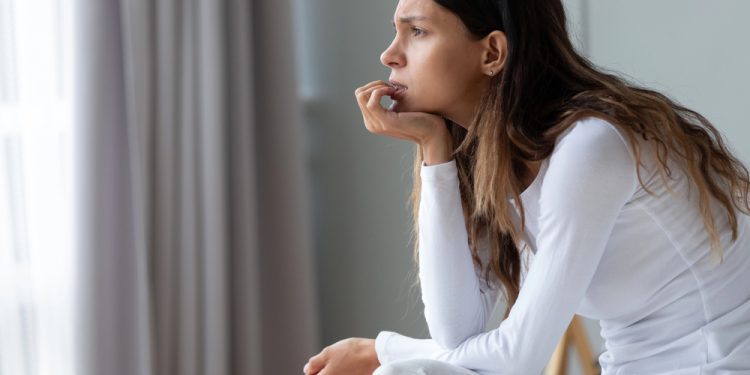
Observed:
{"x":603,"y":248}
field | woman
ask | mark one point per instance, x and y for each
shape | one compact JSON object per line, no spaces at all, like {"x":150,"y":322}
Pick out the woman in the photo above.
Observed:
{"x":632,"y":207}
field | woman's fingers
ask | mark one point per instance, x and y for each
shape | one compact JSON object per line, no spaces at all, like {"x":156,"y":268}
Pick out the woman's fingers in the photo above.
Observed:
{"x":364,"y":97}
{"x":365,"y":94}
{"x":378,"y":119}
{"x":373,"y":104}
{"x":369,"y":85}
{"x":369,"y":102}
{"x":315,"y":363}
{"x":365,"y":87}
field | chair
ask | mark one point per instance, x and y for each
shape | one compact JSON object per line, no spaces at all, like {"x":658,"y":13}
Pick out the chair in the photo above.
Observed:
{"x":574,"y":336}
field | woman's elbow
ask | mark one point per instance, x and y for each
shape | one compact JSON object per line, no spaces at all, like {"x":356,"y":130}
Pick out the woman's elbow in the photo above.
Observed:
{"x":448,"y":340}
{"x":451,"y":335}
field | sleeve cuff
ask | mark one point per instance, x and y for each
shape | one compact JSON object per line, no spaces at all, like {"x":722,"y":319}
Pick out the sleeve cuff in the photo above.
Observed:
{"x":381,"y":346}
{"x":447,"y":171}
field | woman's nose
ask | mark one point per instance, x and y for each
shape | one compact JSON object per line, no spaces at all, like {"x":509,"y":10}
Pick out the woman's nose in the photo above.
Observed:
{"x":391,"y":58}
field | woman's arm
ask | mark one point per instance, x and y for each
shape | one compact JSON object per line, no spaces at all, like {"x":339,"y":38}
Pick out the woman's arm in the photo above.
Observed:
{"x":590,"y":177}
{"x":457,"y":303}
{"x":457,"y":300}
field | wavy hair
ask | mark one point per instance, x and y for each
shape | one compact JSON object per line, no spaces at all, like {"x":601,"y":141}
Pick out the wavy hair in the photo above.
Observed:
{"x":545,"y":86}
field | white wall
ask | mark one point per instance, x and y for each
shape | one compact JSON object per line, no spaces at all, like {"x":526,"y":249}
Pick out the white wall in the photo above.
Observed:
{"x":697,"y":52}
{"x":694,"y":51}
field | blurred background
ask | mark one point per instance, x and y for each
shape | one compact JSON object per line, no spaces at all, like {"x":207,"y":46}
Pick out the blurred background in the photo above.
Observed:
{"x":187,"y":187}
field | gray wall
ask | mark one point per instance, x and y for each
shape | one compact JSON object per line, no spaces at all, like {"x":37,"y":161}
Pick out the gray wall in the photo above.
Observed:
{"x":694,"y":51}
{"x":361,"y":181}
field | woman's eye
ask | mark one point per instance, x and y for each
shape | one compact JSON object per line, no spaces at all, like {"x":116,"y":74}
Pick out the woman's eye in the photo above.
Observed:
{"x":415,"y":31}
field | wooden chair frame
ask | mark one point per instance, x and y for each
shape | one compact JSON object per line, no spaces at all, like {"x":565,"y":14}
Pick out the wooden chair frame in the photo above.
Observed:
{"x":574,"y":336}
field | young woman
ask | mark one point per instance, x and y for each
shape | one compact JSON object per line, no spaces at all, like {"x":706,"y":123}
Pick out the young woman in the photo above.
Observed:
{"x":632,"y":207}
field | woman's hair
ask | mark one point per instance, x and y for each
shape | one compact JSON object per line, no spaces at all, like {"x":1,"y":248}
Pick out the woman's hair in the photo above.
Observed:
{"x":546,"y":86}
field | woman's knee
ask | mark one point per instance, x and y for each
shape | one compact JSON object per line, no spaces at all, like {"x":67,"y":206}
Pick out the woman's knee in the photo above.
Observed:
{"x":407,"y":367}
{"x":420,"y":367}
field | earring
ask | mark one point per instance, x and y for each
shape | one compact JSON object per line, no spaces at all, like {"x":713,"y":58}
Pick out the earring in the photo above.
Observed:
{"x":491,"y":73}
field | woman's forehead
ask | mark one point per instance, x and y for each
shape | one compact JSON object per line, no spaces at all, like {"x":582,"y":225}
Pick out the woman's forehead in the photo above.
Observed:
{"x":426,"y":11}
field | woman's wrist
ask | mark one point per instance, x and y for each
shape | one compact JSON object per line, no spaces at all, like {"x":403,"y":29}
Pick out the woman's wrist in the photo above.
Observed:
{"x":437,"y":150}
{"x":371,"y":353}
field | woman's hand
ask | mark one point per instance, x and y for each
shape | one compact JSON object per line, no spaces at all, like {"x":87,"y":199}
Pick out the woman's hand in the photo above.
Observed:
{"x":352,"y":356}
{"x":425,"y":129}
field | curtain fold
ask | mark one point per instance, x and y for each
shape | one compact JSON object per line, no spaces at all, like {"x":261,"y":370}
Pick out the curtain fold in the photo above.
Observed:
{"x":195,"y":243}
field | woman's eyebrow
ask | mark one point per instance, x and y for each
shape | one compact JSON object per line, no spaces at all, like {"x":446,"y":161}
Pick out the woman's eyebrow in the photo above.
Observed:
{"x":409,"y":19}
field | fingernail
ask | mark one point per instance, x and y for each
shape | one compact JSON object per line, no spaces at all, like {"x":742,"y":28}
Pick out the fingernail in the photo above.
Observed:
{"x":304,"y":369}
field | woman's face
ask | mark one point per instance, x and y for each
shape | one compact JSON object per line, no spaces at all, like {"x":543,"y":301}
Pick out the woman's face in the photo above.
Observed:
{"x":433,"y":56}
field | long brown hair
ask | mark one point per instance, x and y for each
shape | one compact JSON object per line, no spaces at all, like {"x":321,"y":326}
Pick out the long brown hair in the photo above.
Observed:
{"x":545,"y":87}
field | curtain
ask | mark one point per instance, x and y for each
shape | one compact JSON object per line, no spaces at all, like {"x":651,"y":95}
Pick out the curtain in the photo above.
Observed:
{"x":194,"y":237}
{"x":36,"y":265}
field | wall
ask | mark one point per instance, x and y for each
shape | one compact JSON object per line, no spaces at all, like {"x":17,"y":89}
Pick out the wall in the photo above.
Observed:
{"x":691,"y":50}
{"x":361,"y":181}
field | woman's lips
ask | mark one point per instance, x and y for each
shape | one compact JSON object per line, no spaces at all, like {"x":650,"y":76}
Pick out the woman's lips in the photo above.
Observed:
{"x":398,"y":94}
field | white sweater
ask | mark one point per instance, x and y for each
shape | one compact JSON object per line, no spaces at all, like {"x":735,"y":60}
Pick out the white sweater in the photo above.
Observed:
{"x":603,"y":248}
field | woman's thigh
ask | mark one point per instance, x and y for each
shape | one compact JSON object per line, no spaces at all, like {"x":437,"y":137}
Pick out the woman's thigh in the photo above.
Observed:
{"x":421,"y":367}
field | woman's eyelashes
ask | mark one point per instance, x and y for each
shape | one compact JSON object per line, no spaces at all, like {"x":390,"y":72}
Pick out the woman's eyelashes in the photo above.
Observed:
{"x":414,"y":30}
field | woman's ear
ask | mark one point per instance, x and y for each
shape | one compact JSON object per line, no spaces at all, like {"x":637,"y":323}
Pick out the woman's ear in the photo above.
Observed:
{"x":494,"y":52}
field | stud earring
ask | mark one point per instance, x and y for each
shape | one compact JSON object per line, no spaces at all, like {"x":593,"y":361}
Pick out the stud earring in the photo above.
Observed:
{"x":491,"y":73}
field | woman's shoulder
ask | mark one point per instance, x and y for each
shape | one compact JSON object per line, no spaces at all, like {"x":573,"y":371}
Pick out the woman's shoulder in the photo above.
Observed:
{"x":591,"y":151}
{"x":595,"y":137}
{"x":590,"y":134}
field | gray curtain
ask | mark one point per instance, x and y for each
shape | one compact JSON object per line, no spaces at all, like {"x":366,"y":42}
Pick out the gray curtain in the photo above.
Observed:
{"x":193,"y":229}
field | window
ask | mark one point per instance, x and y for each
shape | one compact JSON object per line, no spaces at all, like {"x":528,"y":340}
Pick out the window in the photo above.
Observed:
{"x":36,"y":196}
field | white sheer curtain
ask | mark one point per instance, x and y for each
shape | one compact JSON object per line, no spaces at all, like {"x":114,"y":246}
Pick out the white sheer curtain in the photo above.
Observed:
{"x":153,"y":212}
{"x":36,"y":226}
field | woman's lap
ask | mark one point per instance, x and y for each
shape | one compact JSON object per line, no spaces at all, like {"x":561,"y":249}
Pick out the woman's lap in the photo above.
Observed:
{"x":421,"y":367}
